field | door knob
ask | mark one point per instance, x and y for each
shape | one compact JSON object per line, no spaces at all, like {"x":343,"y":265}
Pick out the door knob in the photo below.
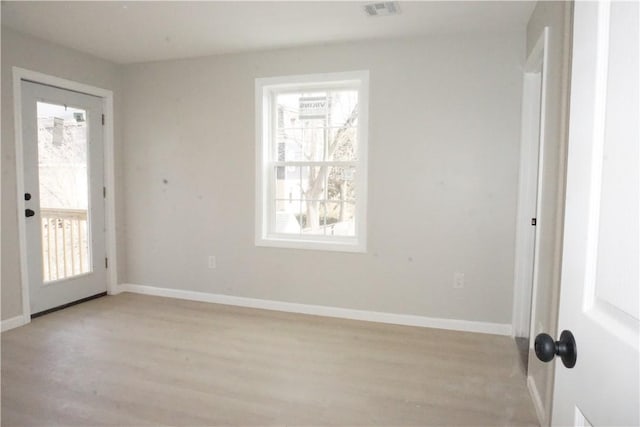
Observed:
{"x":546,"y":348}
{"x":29,"y":212}
{"x":27,"y":196}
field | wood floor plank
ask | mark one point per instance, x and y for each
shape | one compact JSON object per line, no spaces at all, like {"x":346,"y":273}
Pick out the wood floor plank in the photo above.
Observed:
{"x":142,"y":360}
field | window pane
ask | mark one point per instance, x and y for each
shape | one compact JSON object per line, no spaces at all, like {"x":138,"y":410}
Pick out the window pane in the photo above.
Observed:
{"x":287,"y":111}
{"x":314,"y":218}
{"x":289,"y":145}
{"x":312,"y":125}
{"x":287,"y":216}
{"x":288,"y":183}
{"x":302,"y":144}
{"x":313,"y":143}
{"x":343,"y":144}
{"x":302,"y":126}
{"x":64,"y":191}
{"x":314,"y":179}
{"x":301,"y":109}
{"x":343,"y":106}
{"x":340,"y":219}
{"x":341,"y":184}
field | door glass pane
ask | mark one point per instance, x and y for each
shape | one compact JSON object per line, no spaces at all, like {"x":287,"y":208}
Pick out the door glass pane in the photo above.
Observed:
{"x":64,"y":191}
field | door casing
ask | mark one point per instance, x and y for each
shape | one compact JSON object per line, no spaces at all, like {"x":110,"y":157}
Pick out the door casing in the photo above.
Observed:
{"x":20,"y":74}
{"x":529,"y":192}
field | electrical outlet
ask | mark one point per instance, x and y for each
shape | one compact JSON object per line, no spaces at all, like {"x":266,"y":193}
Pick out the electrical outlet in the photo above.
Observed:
{"x":458,"y":280}
{"x":212,"y":261}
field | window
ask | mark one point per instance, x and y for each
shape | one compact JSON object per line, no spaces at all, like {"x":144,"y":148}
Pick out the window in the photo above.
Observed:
{"x":312,"y":161}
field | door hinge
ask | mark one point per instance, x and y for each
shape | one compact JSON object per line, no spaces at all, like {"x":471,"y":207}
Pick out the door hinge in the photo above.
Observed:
{"x":534,"y":221}
{"x":104,"y":192}
{"x":106,"y":262}
{"x":103,"y":120}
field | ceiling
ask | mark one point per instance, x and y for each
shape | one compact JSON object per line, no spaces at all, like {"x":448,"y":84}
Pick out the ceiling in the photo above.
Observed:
{"x":140,"y":31}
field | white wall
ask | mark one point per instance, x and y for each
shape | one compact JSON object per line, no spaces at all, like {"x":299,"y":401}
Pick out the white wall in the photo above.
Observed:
{"x":38,"y":55}
{"x":557,"y":15}
{"x":444,"y":138}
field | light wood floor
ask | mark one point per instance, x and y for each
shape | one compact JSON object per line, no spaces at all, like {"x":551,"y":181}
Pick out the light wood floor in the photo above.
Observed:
{"x":141,"y":360}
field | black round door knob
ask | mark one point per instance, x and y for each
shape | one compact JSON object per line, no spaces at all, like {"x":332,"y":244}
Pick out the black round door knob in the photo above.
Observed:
{"x":29,"y":212}
{"x":546,"y":348}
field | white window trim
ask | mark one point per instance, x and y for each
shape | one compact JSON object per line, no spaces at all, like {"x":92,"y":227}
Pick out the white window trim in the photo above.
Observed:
{"x":263,"y":129}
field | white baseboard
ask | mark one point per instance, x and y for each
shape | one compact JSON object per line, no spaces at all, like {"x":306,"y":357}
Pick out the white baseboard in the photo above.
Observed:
{"x":319,"y":310}
{"x":537,"y":401}
{"x":13,"y":322}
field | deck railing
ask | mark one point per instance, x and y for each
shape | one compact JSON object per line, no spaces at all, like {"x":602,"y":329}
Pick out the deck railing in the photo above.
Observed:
{"x":64,"y":243}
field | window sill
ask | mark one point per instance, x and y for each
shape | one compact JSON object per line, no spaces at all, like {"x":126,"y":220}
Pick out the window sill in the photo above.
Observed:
{"x":352,"y":246}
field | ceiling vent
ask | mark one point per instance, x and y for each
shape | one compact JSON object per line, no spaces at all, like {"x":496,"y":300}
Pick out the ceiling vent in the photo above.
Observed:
{"x":382,"y":8}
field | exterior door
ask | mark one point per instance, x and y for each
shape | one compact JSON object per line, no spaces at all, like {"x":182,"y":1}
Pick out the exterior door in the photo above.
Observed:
{"x":599,"y":299}
{"x":63,"y":181}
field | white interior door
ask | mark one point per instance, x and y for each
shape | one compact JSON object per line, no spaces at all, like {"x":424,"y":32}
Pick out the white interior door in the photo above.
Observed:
{"x":600,"y":280}
{"x":63,"y":180}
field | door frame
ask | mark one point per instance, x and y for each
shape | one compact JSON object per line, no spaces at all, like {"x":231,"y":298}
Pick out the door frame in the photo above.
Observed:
{"x":524,"y":296}
{"x":20,"y":74}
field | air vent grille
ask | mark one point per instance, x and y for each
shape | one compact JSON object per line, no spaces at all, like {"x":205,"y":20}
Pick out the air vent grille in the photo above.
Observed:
{"x":382,"y":8}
